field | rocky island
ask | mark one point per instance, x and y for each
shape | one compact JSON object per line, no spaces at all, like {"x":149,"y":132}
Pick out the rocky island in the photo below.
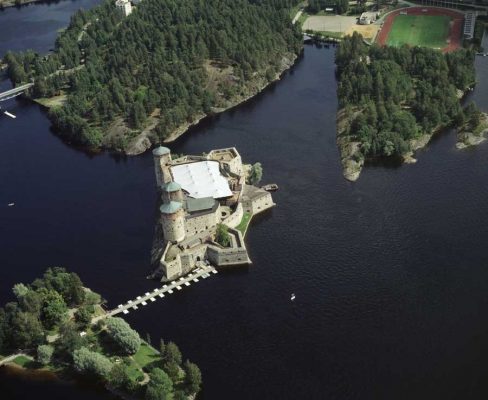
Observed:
{"x":207,"y":204}
{"x":124,"y":77}
{"x":393,"y":99}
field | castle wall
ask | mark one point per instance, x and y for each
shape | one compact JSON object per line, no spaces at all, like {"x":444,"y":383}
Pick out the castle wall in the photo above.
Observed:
{"x":172,"y":269}
{"x":173,"y":226}
{"x":235,"y":218}
{"x":232,"y":256}
{"x":201,"y":223}
{"x":258,"y":204}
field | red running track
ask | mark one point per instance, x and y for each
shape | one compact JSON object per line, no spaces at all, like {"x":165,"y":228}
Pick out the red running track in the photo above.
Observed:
{"x":455,"y":29}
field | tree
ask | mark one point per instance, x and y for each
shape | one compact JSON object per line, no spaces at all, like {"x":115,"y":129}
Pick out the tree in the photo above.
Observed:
{"x":162,"y":347}
{"x":54,"y":309}
{"x":122,"y":334}
{"x":160,"y":386}
{"x":119,"y":377}
{"x":69,"y":339}
{"x":172,"y":354}
{"x":256,"y":174}
{"x":84,"y":315}
{"x":44,"y":353}
{"x":193,"y":377}
{"x":222,"y":237}
{"x":26,"y":330}
{"x":87,"y":361}
{"x":20,"y":290}
{"x":173,"y":370}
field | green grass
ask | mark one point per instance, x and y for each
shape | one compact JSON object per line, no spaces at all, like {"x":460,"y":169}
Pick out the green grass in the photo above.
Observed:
{"x":419,"y":30}
{"x":146,"y":355}
{"x":244,"y":223}
{"x":23,"y":361}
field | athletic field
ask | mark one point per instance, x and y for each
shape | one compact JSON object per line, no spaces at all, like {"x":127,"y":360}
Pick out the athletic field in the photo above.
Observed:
{"x":420,"y":30}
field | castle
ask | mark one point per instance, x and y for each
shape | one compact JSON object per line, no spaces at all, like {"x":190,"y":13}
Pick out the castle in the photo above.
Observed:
{"x":198,"y":194}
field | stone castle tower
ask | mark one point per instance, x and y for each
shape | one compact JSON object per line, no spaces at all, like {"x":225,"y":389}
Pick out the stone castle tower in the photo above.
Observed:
{"x":173,"y":221}
{"x":171,"y":192}
{"x":162,"y":162}
{"x":172,"y":211}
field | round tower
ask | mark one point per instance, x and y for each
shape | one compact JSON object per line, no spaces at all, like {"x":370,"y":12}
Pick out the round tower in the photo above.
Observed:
{"x":162,"y":162}
{"x":171,"y":192}
{"x":173,"y":221}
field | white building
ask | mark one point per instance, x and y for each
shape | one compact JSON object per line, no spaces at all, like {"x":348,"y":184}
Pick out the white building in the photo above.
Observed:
{"x":124,"y":6}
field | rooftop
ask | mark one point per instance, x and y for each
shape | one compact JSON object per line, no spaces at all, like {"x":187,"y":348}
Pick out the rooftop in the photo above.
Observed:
{"x":161,"y":151}
{"x":171,"y":187}
{"x":170,"y":208}
{"x":201,"y":179}
{"x":194,"y":205}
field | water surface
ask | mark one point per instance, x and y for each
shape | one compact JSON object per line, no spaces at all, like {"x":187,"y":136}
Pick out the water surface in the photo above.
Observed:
{"x":390,"y":272}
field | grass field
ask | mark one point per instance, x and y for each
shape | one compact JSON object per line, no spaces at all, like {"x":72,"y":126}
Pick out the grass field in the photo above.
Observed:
{"x":420,"y":30}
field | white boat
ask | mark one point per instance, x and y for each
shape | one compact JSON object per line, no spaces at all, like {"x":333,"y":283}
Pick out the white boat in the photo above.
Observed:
{"x":11,"y":204}
{"x":292,"y":297}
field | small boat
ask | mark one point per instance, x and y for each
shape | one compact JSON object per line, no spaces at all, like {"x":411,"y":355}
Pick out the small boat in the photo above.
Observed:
{"x":9,"y":114}
{"x":292,"y":297}
{"x":272,"y":187}
{"x":11,"y":204}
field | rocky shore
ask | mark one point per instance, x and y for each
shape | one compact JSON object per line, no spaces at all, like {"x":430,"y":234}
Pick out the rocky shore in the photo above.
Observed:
{"x":145,"y":140}
{"x":352,"y":159}
{"x":467,"y":137}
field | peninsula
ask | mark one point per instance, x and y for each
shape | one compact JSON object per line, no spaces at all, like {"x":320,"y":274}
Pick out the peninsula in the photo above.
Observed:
{"x":125,"y":76}
{"x":207,"y":204}
{"x":62,"y":328}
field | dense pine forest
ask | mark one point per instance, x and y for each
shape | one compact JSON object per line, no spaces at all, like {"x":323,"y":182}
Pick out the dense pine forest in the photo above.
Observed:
{"x":391,"y":96}
{"x":161,"y":67}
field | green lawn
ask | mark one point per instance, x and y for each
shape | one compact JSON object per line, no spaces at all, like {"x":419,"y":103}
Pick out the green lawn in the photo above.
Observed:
{"x":419,"y":30}
{"x":244,"y":223}
{"x":22,"y":361}
{"x":146,"y":355}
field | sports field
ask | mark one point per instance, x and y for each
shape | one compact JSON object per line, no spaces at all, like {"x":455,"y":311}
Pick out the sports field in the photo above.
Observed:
{"x":420,"y":30}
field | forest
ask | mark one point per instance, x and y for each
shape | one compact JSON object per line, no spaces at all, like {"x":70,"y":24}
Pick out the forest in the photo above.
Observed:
{"x":157,"y":62}
{"x":392,"y":96}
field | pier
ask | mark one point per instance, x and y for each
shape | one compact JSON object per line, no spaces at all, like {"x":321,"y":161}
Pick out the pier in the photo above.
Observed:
{"x":202,"y":272}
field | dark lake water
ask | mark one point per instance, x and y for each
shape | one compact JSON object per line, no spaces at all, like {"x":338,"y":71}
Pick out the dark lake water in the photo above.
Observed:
{"x":390,"y":273}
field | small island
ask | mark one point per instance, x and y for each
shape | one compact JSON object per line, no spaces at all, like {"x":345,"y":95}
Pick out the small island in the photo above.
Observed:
{"x":207,"y":204}
{"x":59,"y":326}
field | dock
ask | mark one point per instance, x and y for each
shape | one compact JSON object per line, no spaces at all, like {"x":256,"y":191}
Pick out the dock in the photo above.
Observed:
{"x":202,"y":272}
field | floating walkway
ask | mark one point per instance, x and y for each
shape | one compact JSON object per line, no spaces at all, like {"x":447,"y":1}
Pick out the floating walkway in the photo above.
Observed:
{"x":202,"y":272}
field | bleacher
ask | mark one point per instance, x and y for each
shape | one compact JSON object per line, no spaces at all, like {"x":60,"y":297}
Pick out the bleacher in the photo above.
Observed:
{"x":469,"y":22}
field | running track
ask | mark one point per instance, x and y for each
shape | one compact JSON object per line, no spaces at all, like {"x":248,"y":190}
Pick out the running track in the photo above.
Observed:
{"x":455,"y":30}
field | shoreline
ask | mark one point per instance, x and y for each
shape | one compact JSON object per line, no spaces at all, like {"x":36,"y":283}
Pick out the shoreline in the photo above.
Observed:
{"x":142,"y":142}
{"x":353,"y":161}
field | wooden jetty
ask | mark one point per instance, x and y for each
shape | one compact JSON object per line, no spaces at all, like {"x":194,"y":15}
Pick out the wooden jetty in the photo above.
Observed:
{"x":202,"y":272}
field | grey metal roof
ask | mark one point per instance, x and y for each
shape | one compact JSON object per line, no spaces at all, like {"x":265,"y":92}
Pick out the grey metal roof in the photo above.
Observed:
{"x":171,"y":187}
{"x":194,"y":205}
{"x":170,"y":208}
{"x":161,"y":151}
